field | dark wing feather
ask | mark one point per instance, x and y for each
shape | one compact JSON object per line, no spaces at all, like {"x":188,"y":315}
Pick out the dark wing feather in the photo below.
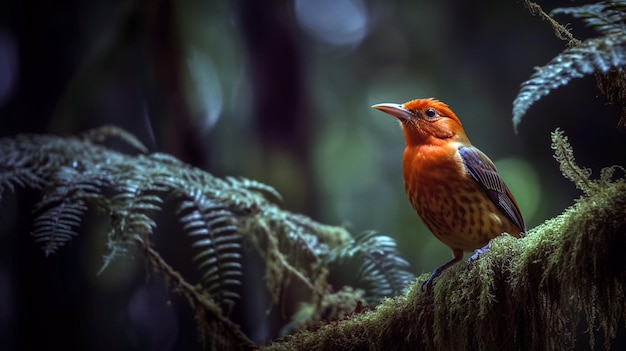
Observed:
{"x":484,"y":172}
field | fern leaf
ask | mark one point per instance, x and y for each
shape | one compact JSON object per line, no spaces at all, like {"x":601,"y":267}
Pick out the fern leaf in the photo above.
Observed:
{"x":380,"y":271}
{"x":218,"y":241}
{"x":101,"y":134}
{"x":383,"y":267}
{"x":56,"y":226}
{"x":607,"y":17}
{"x":137,"y":192}
{"x":15,"y":170}
{"x":63,"y":206}
{"x":598,"y":54}
{"x":20,"y":177}
{"x":255,"y":186}
{"x":131,"y":209}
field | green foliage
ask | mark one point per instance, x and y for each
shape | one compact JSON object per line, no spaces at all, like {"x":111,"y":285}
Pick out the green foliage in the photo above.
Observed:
{"x":523,"y":294}
{"x":601,"y":54}
{"x":225,"y":218}
{"x":607,"y":17}
{"x":379,"y":270}
{"x":61,"y":209}
{"x":219,"y":242}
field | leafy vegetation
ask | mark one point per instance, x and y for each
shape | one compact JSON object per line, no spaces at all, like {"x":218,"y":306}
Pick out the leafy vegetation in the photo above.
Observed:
{"x":222,"y":216}
{"x":604,"y":55}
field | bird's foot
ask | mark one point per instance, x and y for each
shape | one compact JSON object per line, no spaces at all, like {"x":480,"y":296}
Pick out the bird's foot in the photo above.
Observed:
{"x":477,"y":253}
{"x":428,"y":283}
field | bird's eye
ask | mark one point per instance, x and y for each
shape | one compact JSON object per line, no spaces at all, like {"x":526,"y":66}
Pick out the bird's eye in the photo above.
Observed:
{"x":431,"y":113}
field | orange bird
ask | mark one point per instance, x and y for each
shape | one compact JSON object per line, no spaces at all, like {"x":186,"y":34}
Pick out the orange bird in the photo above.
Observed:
{"x":453,"y":186}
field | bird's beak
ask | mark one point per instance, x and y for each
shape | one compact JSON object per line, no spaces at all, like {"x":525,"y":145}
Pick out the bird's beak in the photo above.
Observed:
{"x":396,"y":110}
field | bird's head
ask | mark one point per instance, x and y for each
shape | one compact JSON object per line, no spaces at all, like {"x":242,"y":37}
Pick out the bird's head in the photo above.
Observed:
{"x":426,"y":121}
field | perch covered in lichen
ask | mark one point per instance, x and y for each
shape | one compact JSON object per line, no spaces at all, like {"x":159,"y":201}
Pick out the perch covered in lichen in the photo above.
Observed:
{"x":524,"y":294}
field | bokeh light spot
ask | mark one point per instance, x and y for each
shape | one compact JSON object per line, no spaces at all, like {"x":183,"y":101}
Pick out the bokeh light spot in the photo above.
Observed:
{"x":336,"y":22}
{"x":208,"y":90}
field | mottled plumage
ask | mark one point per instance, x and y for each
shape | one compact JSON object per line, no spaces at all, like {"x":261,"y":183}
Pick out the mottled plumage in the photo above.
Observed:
{"x":454,"y":187}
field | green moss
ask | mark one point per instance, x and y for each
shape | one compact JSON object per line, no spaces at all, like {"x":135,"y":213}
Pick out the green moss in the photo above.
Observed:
{"x":528,"y":293}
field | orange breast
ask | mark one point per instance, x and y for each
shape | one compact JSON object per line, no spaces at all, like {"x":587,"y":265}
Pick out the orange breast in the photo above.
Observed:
{"x":449,"y":201}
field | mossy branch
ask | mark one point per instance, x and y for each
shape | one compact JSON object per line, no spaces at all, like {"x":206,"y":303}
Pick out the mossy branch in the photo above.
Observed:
{"x":528,"y":293}
{"x":564,"y":154}
{"x":523,"y":294}
{"x":560,"y":30}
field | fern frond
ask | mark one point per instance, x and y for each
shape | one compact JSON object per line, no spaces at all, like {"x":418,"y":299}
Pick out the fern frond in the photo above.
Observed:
{"x":131,"y":209}
{"x":607,"y":17}
{"x":591,"y":56}
{"x":219,"y":241}
{"x":18,"y":177}
{"x":57,"y":225}
{"x":63,"y":205}
{"x":101,"y":134}
{"x":598,"y":54}
{"x":218,"y":215}
{"x":380,"y":271}
{"x":15,"y":169}
{"x":254,"y":185}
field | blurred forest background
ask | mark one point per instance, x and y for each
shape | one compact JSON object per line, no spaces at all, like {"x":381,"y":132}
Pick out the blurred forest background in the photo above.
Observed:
{"x":280,"y":92}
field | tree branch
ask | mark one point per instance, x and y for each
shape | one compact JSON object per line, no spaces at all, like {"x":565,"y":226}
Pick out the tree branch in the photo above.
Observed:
{"x":527,"y":293}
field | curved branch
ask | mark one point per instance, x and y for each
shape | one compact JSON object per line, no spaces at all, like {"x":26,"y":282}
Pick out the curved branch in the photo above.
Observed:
{"x":527,"y":293}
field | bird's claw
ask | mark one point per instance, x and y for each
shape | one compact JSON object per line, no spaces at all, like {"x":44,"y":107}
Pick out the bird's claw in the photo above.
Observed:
{"x":477,"y":253}
{"x":428,"y":284}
